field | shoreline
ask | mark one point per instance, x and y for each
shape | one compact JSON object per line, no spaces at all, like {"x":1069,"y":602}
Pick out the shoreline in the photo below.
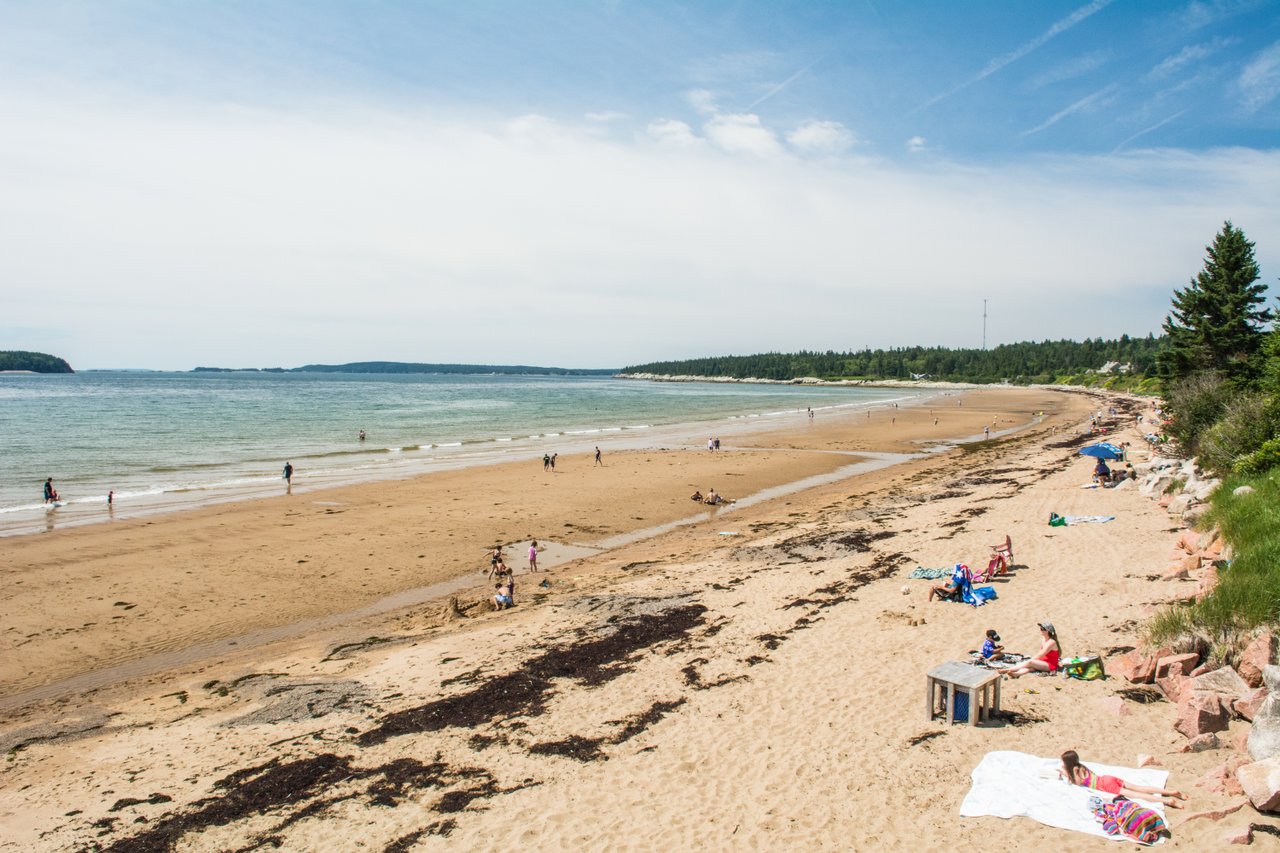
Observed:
{"x":312,"y":543}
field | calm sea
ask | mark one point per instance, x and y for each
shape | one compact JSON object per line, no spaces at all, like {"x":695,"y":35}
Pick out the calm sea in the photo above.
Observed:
{"x":167,"y":440}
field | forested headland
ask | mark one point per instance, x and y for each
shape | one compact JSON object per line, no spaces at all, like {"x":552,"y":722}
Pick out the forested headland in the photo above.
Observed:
{"x":415,"y":367}
{"x":35,"y":362}
{"x":1133,"y":360}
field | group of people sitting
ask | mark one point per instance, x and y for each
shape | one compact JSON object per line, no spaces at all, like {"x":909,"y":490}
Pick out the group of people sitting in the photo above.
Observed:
{"x":1105,"y":476}
{"x":1046,"y":660}
{"x":960,"y":585}
{"x":710,"y":497}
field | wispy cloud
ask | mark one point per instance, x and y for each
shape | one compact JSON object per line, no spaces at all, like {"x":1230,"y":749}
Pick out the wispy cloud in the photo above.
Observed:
{"x":1188,"y":55}
{"x":702,"y":101}
{"x":1147,"y":130}
{"x":916,"y":144}
{"x":743,"y":133}
{"x":1059,"y":27}
{"x":1082,"y":104}
{"x":1203,"y":13}
{"x":784,"y":84}
{"x":1071,"y":69}
{"x":1259,"y":82}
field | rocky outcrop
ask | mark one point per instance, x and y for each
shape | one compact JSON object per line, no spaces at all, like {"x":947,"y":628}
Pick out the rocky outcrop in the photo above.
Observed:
{"x":1261,"y":783}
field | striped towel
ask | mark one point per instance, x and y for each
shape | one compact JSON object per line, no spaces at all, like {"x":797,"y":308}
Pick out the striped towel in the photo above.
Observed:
{"x":929,"y":574}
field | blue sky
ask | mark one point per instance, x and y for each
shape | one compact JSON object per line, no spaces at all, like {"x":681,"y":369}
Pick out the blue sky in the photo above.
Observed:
{"x":599,"y":184}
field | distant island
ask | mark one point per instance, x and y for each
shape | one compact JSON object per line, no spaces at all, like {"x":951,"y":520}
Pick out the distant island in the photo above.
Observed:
{"x":414,"y":367}
{"x":32,"y":362}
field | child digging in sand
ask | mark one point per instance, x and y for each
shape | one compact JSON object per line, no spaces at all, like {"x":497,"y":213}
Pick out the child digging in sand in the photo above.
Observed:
{"x":1077,"y":774}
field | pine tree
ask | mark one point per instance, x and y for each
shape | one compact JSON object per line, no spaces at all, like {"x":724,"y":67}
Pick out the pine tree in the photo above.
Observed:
{"x":1216,"y":324}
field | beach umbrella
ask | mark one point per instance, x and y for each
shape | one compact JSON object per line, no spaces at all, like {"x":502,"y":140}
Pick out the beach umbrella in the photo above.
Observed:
{"x":1102,"y":450}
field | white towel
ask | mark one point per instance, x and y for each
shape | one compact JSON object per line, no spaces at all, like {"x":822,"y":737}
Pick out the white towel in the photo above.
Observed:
{"x":1015,"y":784}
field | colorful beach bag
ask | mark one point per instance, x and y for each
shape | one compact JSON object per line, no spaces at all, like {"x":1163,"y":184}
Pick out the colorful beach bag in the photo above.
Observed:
{"x":1127,"y":818}
{"x":1085,"y":668}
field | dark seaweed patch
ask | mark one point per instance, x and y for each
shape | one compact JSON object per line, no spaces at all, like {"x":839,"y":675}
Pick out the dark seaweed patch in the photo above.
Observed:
{"x":524,"y":692}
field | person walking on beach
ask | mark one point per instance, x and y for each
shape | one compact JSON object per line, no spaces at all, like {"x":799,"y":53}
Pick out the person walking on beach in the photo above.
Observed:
{"x":553,"y":462}
{"x":533,"y":556}
{"x":598,"y":462}
{"x":986,"y":432}
{"x":546,"y":462}
{"x":288,"y":477}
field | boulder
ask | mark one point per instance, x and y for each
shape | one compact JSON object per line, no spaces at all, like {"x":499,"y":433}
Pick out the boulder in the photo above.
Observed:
{"x":1222,"y":779}
{"x":1223,"y":680}
{"x":1179,"y":504}
{"x":1191,"y":517}
{"x":1201,"y":743}
{"x":1175,"y":573}
{"x":1208,"y":581}
{"x":1114,"y":705}
{"x":1155,"y":483}
{"x":1134,"y":667}
{"x":1165,"y":500}
{"x":1183,"y":663}
{"x":1175,"y":686}
{"x":1205,"y":490}
{"x":1246,"y":707}
{"x":1261,"y":783}
{"x":1191,"y":563}
{"x":1200,"y":713}
{"x":1124,"y":484}
{"x":1241,"y":491}
{"x":1188,"y":541}
{"x":1257,"y":656}
{"x":1264,"y":735}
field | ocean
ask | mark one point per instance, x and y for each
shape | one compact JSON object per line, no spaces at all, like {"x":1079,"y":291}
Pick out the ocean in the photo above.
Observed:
{"x":172,"y":440}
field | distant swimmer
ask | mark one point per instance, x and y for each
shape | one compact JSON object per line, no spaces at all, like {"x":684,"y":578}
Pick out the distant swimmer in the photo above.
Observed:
{"x":362,"y":435}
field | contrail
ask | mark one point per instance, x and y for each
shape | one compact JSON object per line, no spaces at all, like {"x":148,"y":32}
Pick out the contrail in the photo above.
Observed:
{"x":784,"y":84}
{"x":999,"y":62}
{"x":1155,"y":126}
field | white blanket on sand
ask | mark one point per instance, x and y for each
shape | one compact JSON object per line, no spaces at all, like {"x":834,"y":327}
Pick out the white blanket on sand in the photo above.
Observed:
{"x":1015,"y":784}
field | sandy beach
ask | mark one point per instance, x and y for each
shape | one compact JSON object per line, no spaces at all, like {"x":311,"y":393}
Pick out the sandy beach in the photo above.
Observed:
{"x":284,"y":672}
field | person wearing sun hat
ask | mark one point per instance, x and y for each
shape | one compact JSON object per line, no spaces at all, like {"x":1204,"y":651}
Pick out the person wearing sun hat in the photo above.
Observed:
{"x":1047,"y":659}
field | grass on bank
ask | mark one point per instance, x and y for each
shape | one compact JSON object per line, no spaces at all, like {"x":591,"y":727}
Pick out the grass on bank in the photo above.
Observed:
{"x":1247,"y":595}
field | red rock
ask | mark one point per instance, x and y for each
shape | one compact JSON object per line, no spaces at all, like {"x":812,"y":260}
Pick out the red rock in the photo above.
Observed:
{"x":1145,"y":760}
{"x":1261,"y":783}
{"x":1208,"y":581}
{"x":1223,"y":680}
{"x":1257,"y":655}
{"x":1201,"y":743}
{"x":1187,"y":662}
{"x":1191,"y":563}
{"x":1165,"y":500}
{"x":1200,"y":713}
{"x":1200,"y":670}
{"x":1134,"y":666}
{"x":1216,"y":814}
{"x":1247,"y":706}
{"x":1175,"y":686}
{"x":1240,"y":743}
{"x":1175,"y":573}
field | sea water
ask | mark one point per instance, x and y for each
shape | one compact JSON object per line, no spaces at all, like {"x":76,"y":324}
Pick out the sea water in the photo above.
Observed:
{"x":170,"y":440}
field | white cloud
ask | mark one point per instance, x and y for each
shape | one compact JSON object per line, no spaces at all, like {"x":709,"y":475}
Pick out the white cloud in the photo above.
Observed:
{"x":605,"y":117}
{"x":702,"y":101}
{"x":150,"y":235}
{"x":1259,"y":82}
{"x":1072,"y":68}
{"x":916,"y":144}
{"x":821,"y":137}
{"x":673,"y":133}
{"x":742,"y":133}
{"x":1190,"y":54}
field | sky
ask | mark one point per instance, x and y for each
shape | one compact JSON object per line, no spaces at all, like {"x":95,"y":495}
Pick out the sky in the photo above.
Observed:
{"x":601,"y":184}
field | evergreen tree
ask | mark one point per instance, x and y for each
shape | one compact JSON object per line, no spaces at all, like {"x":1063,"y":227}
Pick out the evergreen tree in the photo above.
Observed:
{"x":1216,"y":322}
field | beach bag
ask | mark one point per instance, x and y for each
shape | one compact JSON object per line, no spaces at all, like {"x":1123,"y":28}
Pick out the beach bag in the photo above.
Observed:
{"x":1056,"y":520}
{"x":1085,"y":668}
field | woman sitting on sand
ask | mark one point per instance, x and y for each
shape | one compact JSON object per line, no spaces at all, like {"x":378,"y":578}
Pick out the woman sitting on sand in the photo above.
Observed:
{"x":1046,"y":660}
{"x":1077,"y":774}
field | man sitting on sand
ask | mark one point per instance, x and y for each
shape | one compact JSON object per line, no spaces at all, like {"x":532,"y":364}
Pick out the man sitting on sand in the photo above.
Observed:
{"x":502,"y":597}
{"x":712,"y":498}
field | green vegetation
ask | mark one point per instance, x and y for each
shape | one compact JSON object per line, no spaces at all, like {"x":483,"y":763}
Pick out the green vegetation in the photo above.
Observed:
{"x":1065,"y":362}
{"x":1222,"y":374}
{"x":36,"y":362}
{"x":1248,"y":590}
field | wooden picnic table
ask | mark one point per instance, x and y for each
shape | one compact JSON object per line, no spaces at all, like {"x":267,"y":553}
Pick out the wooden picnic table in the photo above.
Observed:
{"x":982,"y":686}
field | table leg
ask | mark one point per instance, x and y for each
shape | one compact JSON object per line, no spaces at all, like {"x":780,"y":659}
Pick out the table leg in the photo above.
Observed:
{"x":928,"y":698}
{"x":951,"y":703}
{"x":975,"y":696}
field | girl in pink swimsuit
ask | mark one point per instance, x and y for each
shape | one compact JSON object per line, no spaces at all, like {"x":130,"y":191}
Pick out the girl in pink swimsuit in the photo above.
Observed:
{"x":1046,"y":660}
{"x":1077,"y":774}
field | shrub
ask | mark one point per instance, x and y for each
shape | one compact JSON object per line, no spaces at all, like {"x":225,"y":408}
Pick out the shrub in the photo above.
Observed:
{"x":1195,"y":404}
{"x":1243,"y":428}
{"x":1263,"y":459}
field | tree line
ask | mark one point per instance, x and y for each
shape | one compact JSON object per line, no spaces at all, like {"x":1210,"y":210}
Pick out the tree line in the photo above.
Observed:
{"x":36,"y":362}
{"x":1026,"y":362}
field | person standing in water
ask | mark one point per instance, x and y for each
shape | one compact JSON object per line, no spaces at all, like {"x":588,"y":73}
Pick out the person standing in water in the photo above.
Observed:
{"x":50,"y":493}
{"x":288,"y":476}
{"x":533,"y":556}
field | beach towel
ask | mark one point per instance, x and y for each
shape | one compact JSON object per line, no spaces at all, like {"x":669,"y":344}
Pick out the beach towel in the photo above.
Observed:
{"x":1014,"y":784}
{"x":1125,"y":819}
{"x":928,"y":574}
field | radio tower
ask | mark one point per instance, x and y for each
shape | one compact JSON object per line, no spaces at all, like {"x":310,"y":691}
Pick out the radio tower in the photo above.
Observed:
{"x":984,"y":324}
